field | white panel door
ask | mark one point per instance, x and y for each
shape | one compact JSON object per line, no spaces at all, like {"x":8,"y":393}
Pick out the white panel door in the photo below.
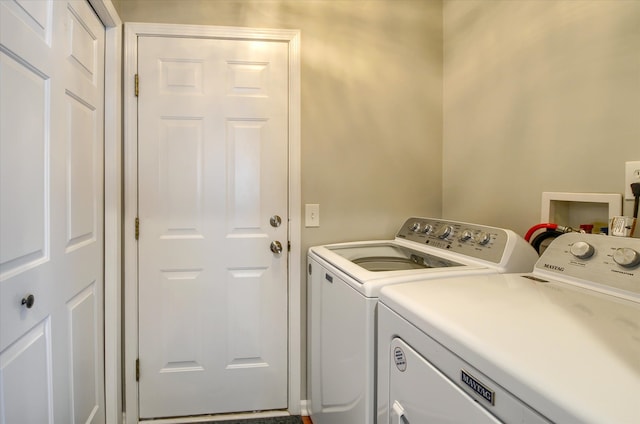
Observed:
{"x":212,"y":171}
{"x":51,"y":213}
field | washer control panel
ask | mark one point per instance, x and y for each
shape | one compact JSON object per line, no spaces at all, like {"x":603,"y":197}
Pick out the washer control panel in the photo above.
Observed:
{"x":607,"y":262}
{"x":473,"y":240}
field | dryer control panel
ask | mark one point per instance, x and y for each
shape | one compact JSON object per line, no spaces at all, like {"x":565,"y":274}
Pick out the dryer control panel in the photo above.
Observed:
{"x":605,"y":263}
{"x":477,"y":241}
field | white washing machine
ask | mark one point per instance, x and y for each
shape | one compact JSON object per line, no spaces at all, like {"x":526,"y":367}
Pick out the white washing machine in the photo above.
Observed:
{"x":560,"y":344}
{"x":343,"y":285}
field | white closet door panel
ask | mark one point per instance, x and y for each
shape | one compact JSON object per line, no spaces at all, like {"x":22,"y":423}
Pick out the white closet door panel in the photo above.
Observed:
{"x":26,"y":378}
{"x":51,"y":212}
{"x":24,"y":180}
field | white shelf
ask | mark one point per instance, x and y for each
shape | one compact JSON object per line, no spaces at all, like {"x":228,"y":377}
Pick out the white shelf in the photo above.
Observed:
{"x":574,"y":209}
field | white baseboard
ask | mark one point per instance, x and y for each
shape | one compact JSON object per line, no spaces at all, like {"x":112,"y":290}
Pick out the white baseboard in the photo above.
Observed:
{"x":304,"y":410}
{"x":224,"y":417}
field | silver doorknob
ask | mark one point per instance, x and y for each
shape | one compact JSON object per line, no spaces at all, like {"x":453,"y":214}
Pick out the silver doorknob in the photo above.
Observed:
{"x":275,"y":221}
{"x":276,"y":247}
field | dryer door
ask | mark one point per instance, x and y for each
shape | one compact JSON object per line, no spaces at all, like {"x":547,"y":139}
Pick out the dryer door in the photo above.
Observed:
{"x":419,"y":393}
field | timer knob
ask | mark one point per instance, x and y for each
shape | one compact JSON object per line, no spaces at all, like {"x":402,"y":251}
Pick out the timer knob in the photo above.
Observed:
{"x":483,"y":238}
{"x":626,"y":257}
{"x":444,"y":232}
{"x":466,"y":235}
{"x":581,"y":250}
{"x":415,"y":227}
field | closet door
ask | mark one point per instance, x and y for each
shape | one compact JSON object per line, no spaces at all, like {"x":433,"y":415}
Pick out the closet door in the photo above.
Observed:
{"x":51,"y":212}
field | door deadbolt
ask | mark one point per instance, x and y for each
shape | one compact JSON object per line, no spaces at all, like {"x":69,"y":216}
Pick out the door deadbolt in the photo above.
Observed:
{"x":276,"y":247}
{"x":275,"y":221}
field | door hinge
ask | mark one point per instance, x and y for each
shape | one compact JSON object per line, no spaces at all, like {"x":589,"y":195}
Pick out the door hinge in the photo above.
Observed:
{"x":137,"y":85}
{"x":288,"y":246}
{"x":137,"y":228}
{"x":138,"y":369}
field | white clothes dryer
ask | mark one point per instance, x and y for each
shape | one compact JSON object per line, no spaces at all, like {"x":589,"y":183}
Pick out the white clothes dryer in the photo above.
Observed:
{"x":344,"y":281}
{"x":560,"y":344}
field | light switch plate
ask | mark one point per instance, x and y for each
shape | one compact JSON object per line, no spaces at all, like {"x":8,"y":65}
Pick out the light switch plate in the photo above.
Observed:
{"x":631,"y":175}
{"x":312,"y":215}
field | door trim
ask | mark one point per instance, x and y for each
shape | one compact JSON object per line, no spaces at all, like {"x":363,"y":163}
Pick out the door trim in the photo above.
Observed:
{"x":130,"y":288}
{"x":108,"y":15}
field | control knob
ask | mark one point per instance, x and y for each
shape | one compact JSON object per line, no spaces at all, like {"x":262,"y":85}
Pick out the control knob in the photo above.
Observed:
{"x":444,"y":232}
{"x":626,"y":257}
{"x":582,"y":250}
{"x":466,"y":235}
{"x":428,"y":228}
{"x":483,"y":238}
{"x":415,"y":227}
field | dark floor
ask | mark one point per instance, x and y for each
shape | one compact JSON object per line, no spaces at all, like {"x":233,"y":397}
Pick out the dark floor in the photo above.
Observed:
{"x":275,"y":420}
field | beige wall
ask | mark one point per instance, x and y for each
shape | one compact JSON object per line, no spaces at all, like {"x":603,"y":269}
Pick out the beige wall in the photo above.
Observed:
{"x":538,"y":96}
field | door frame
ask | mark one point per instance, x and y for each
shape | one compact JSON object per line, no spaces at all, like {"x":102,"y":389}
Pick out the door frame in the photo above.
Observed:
{"x":130,"y":287}
{"x":113,"y":389}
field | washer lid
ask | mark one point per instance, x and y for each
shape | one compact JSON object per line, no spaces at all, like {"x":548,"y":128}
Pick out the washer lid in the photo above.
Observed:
{"x":572,"y":354}
{"x":369,"y":277}
{"x":389,"y":257}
